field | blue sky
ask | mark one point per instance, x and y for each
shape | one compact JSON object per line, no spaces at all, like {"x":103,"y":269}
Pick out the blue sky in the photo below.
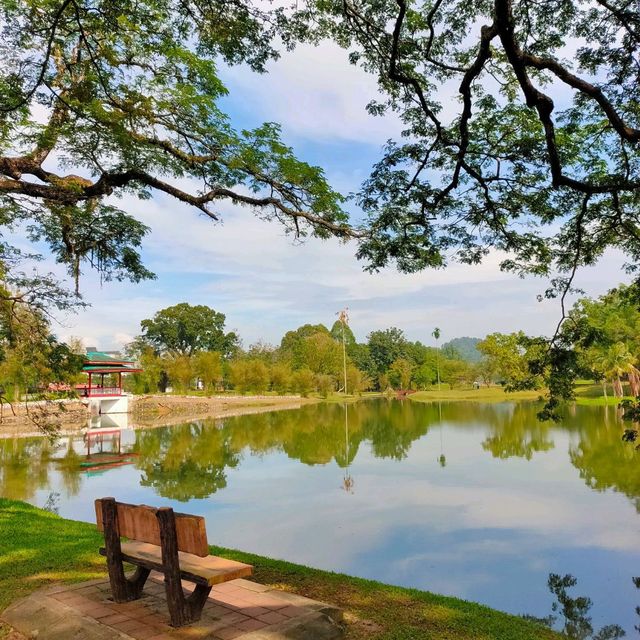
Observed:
{"x":267,"y":283}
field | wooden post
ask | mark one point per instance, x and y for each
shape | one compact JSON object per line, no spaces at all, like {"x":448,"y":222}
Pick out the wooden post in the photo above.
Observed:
{"x":123,"y":589}
{"x":183,"y":610}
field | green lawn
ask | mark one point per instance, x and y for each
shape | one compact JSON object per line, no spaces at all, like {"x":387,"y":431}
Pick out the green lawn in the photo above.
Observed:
{"x":39,"y":548}
{"x":483,"y":394}
{"x":586,"y":392}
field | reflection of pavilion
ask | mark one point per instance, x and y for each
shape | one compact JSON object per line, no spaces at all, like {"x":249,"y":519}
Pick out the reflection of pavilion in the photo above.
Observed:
{"x":100,"y":460}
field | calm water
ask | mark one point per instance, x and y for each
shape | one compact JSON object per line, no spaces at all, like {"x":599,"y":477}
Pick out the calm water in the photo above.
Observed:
{"x":479,"y":501}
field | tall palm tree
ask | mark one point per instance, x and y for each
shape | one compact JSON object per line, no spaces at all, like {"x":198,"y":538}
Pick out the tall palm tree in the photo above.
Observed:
{"x":436,"y":335}
{"x":616,"y":361}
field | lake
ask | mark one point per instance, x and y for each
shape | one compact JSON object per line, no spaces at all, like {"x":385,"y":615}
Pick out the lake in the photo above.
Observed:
{"x":480,"y":501}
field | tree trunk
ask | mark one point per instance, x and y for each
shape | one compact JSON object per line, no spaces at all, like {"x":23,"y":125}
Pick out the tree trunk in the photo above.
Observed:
{"x":634,"y":383}
{"x":617,"y":387}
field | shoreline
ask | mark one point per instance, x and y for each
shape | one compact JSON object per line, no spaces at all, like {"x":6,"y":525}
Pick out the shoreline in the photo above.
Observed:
{"x":66,"y":551}
{"x":148,"y":412}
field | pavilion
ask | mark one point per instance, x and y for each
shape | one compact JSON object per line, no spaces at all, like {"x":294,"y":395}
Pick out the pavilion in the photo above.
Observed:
{"x":97,"y":366}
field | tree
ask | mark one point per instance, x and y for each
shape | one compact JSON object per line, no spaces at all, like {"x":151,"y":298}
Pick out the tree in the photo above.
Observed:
{"x":325,"y":384}
{"x":153,"y":377}
{"x":281,"y":376}
{"x":30,"y":356}
{"x":322,"y":354}
{"x":257,"y":375}
{"x":238,"y":375}
{"x":102,"y":99}
{"x":436,"y":334}
{"x":512,"y":357}
{"x":620,"y":362}
{"x":531,"y":134}
{"x":180,"y":369}
{"x":184,"y":329}
{"x":600,"y":340}
{"x":457,"y":372}
{"x":387,"y":346}
{"x":336,"y":333}
{"x":303,"y":381}
{"x":208,"y":367}
{"x":360,"y":356}
{"x":425,"y":375}
{"x":400,"y":373}
{"x":263,"y":351}
{"x":357,"y":381}
{"x":292,"y":343}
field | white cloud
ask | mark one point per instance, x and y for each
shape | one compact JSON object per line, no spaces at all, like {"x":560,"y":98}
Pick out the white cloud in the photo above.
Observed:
{"x":315,"y":93}
{"x":266,"y":283}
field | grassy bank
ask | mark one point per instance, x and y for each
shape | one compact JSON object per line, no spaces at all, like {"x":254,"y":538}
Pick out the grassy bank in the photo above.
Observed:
{"x":38,"y":548}
{"x":586,"y":393}
{"x":483,"y":394}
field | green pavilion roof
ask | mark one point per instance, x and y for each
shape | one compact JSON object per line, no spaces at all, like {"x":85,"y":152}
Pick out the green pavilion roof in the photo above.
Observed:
{"x":99,"y":357}
{"x":99,"y":362}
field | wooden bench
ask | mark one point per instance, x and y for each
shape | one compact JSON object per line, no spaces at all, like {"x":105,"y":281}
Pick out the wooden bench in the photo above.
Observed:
{"x":161,"y":540}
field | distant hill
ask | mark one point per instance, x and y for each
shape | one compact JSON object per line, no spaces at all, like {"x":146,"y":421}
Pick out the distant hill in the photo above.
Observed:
{"x":465,"y":348}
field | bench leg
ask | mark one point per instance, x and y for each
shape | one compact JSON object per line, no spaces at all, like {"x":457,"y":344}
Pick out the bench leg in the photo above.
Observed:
{"x":126,"y":589}
{"x":123,"y":589}
{"x":185,"y":609}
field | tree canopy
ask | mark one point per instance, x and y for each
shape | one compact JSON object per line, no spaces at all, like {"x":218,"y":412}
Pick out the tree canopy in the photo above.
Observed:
{"x":521,"y":129}
{"x":185,"y":329}
{"x":99,"y":100}
{"x":535,"y":153}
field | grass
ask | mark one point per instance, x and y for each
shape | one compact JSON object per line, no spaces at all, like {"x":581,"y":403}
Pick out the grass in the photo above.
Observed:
{"x":339,"y":398}
{"x":483,"y":394}
{"x":39,"y":548}
{"x":586,"y":393}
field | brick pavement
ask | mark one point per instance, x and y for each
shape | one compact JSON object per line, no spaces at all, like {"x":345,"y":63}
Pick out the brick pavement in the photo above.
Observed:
{"x":237,"y":609}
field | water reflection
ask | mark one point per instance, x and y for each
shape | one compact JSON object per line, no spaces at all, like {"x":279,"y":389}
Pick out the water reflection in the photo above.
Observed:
{"x":348,"y":483}
{"x":186,"y":461}
{"x":636,"y":582}
{"x":571,"y":614}
{"x":475,"y":500}
{"x":514,"y":434}
{"x":605,"y":462}
{"x":191,"y":460}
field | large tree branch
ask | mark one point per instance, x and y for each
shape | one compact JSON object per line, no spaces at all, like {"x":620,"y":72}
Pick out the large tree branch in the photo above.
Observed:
{"x":625,"y":131}
{"x":544,"y":106}
{"x":70,"y":190}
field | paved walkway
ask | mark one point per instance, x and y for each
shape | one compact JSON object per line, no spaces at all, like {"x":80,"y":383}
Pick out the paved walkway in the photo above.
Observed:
{"x":237,"y":609}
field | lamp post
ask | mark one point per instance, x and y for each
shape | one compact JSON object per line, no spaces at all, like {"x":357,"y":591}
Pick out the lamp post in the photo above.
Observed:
{"x":343,"y":317}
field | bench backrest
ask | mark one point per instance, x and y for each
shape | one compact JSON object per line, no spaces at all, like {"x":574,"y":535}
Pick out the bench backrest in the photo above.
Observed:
{"x":139,"y":522}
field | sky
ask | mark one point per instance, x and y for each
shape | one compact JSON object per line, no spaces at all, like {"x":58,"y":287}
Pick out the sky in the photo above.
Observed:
{"x":266,"y":282}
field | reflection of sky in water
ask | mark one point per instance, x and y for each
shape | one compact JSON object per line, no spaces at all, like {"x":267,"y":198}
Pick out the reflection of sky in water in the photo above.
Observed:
{"x":484,"y":528}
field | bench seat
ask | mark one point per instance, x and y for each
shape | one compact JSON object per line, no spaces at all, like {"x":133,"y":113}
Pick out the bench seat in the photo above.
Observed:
{"x":208,"y":571}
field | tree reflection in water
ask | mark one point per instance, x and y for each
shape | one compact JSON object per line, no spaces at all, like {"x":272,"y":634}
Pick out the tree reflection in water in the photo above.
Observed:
{"x":186,"y":461}
{"x":636,"y":582}
{"x":191,"y":460}
{"x":606,"y":462}
{"x":571,"y":615}
{"x":518,"y":433}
